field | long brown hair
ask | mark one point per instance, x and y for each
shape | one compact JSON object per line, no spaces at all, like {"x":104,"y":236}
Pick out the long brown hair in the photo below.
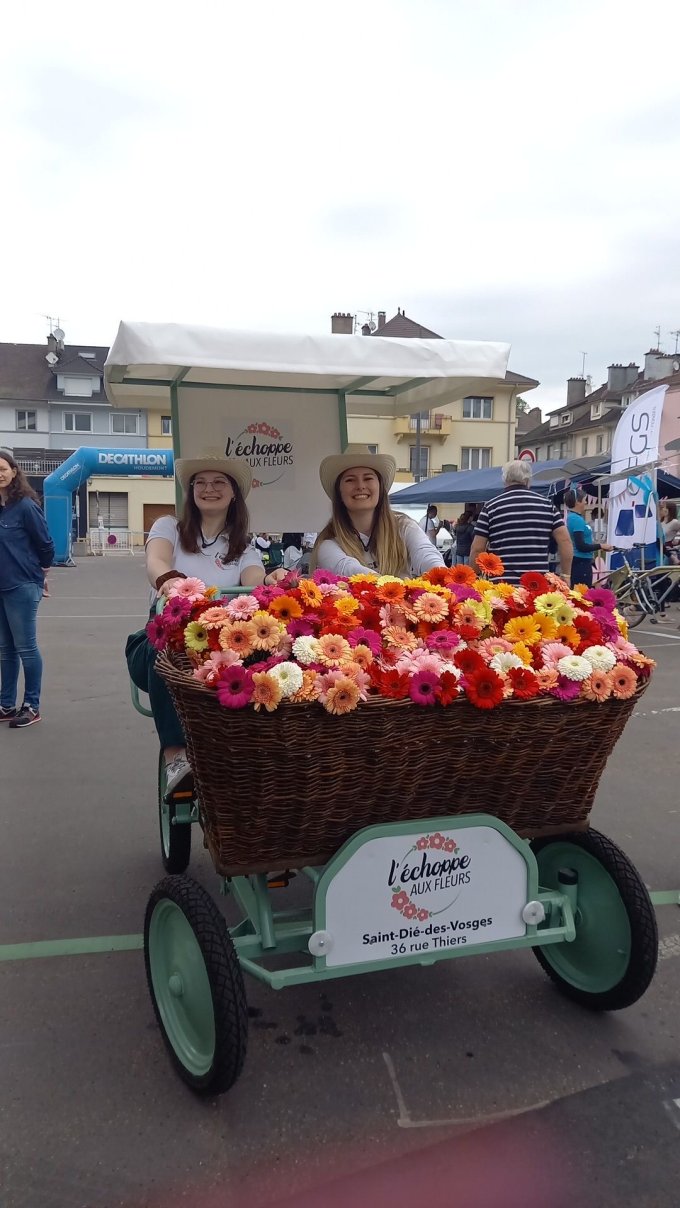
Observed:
{"x":20,"y":487}
{"x":386,"y":542}
{"x":236,"y":524}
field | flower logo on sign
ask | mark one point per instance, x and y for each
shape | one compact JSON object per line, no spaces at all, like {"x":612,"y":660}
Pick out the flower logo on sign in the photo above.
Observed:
{"x":430,"y":872}
{"x":266,"y":449}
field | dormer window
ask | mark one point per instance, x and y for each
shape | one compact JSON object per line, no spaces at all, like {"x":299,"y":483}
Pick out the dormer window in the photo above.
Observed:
{"x":595,"y":410}
{"x":566,"y":418}
{"x":554,"y":421}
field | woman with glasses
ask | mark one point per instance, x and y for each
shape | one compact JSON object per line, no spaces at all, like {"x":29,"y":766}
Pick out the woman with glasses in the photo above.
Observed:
{"x":209,"y":541}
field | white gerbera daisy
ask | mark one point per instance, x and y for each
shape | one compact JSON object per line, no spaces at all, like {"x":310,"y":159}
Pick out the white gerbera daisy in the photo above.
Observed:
{"x":573,"y":667}
{"x":600,"y":658}
{"x":306,"y":649}
{"x":504,"y":660}
{"x":289,"y":677}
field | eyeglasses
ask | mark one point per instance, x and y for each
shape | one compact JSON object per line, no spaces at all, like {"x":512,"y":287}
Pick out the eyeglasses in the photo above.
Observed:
{"x":217,"y":484}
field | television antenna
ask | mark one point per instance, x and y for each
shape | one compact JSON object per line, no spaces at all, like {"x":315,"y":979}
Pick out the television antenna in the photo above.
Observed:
{"x":677,"y":337}
{"x":657,"y":333}
{"x":369,"y":317}
{"x":583,"y":364}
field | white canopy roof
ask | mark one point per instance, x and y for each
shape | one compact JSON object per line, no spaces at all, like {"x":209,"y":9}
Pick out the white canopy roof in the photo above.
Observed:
{"x":383,"y":376}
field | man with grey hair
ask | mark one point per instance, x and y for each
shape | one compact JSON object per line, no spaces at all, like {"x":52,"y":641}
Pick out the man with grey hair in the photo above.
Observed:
{"x":518,"y":526}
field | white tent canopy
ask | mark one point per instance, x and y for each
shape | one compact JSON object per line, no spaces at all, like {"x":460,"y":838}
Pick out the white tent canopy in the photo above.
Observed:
{"x":383,"y":376}
{"x":280,"y":402}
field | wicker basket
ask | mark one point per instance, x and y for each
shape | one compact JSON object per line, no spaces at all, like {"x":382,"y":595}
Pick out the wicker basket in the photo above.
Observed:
{"x":286,"y":789}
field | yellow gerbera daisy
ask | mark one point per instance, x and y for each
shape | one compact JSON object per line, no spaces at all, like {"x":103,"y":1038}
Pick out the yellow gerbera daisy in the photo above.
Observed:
{"x":346,"y":605}
{"x":565,"y":614}
{"x":548,"y":601}
{"x":522,"y":629}
{"x":568,"y":634}
{"x":523,"y":652}
{"x":546,"y":624}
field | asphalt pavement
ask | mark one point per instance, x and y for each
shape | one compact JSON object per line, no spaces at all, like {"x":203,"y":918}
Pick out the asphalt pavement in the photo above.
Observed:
{"x":473,"y":1083}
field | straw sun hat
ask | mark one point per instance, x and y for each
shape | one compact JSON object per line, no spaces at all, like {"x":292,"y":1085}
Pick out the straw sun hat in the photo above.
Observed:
{"x":239,"y":470}
{"x":356,"y":455}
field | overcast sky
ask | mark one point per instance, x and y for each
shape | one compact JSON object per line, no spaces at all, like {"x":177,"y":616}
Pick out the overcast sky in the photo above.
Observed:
{"x":501,"y":169}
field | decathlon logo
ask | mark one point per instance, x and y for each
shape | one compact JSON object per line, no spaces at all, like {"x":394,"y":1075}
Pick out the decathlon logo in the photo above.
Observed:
{"x":137,"y":460}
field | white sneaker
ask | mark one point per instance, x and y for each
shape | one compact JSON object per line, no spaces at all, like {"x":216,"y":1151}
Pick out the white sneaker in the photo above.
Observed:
{"x":178,"y":776}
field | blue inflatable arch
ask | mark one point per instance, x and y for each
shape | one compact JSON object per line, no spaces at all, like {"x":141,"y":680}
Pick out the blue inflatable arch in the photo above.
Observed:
{"x":83,"y":464}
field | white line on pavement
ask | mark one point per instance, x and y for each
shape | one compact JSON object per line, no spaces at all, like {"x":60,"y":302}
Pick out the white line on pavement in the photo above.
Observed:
{"x":659,"y":633}
{"x":670,"y":946}
{"x":654,"y":712}
{"x":95,"y":616}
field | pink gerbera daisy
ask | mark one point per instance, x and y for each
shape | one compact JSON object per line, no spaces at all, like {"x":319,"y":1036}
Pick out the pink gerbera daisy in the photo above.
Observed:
{"x":423,"y":687}
{"x":242,"y":608}
{"x":191,"y":589}
{"x":234,"y":687}
{"x":443,"y":641}
{"x":552,"y":652}
{"x":566,"y":689}
{"x":157,"y":633}
{"x":364,"y":637}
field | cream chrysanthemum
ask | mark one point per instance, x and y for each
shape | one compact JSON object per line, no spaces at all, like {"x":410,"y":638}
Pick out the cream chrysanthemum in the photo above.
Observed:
{"x":600,"y":658}
{"x":573,"y":667}
{"x":288,"y":676}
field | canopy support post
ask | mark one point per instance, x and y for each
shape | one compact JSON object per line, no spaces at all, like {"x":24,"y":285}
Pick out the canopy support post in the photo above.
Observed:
{"x":342,"y":419}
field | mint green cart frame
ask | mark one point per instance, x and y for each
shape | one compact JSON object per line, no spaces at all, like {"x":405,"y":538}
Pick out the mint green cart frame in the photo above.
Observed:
{"x":588,"y":916}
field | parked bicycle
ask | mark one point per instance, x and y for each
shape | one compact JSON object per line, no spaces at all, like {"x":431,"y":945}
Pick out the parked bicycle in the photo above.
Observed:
{"x":642,"y":593}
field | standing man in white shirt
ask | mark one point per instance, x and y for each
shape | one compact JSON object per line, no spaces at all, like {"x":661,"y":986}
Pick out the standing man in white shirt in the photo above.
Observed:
{"x":430,"y":524}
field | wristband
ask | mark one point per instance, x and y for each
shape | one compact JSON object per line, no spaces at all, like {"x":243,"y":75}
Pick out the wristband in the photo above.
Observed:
{"x":169,"y":574}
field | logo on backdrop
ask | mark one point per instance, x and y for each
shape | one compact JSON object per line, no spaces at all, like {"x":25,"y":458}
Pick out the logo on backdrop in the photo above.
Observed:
{"x":268,"y":452}
{"x":429,"y":877}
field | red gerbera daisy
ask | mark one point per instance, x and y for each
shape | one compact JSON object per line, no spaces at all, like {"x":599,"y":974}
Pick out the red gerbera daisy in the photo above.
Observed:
{"x":448,"y":688}
{"x":590,"y":630}
{"x":484,"y":688}
{"x":524,"y":682}
{"x":468,"y":661}
{"x":534,"y":582}
{"x":390,"y":683}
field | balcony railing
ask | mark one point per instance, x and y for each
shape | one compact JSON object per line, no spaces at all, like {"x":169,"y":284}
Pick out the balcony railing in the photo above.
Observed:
{"x":432,"y":424}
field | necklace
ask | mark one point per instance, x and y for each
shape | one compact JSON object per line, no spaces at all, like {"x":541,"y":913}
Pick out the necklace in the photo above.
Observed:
{"x":207,"y":544}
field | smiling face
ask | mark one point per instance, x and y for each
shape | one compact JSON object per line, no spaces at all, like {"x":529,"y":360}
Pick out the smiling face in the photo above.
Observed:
{"x":359,"y":489}
{"x":7,"y":475}
{"x":213,"y":492}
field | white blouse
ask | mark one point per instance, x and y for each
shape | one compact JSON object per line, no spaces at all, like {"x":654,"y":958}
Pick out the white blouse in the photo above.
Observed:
{"x":207,"y":564}
{"x":422,"y":554}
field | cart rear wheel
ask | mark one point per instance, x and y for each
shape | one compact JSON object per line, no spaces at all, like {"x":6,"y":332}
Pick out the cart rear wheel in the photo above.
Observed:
{"x":175,"y":836}
{"x":196,"y":985}
{"x":612,"y":960}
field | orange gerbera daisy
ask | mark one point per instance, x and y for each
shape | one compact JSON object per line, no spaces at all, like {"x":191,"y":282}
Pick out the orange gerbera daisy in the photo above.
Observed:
{"x":267,"y":692}
{"x":431,"y":607}
{"x":547,"y":678}
{"x":438,"y":574}
{"x":333,"y":649}
{"x":309,"y":689}
{"x":396,"y":635}
{"x":568,"y":634}
{"x":462,"y":574}
{"x":623,"y":681}
{"x":390,"y":593}
{"x":490,"y":564}
{"x":238,"y":636}
{"x":286,"y":608}
{"x":343,"y":696}
{"x":597,"y":686}
{"x":310,"y":593}
{"x":363,"y":655}
{"x":268,"y":630}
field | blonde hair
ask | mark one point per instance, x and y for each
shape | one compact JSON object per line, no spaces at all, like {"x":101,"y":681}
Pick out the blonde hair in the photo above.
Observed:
{"x":386,"y":541}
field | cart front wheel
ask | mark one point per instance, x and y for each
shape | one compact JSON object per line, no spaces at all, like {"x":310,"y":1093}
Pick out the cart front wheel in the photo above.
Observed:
{"x":611,"y":961}
{"x":196,"y":985}
{"x":175,"y":836}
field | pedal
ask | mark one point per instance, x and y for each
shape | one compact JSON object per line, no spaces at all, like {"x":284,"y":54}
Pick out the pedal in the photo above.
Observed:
{"x":280,"y":880}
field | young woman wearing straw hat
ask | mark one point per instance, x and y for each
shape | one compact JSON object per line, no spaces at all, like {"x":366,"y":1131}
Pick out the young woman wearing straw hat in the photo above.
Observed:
{"x":209,"y":541}
{"x":363,"y":532}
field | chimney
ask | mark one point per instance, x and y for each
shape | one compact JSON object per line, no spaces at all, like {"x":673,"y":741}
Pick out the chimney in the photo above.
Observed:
{"x":658,"y":364}
{"x":366,"y":329}
{"x":576,"y":390}
{"x":52,"y":344}
{"x":342,"y":324}
{"x":632,"y":372}
{"x":617,"y":378}
{"x":381,"y":319}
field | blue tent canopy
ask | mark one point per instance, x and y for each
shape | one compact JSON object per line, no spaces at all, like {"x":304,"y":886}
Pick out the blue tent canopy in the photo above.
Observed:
{"x":467,"y":486}
{"x":476,"y":486}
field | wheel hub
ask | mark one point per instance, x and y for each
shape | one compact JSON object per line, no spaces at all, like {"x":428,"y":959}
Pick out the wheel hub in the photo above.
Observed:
{"x":175,"y":985}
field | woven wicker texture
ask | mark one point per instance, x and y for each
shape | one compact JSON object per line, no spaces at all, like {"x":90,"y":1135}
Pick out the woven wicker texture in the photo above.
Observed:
{"x":288,"y":788}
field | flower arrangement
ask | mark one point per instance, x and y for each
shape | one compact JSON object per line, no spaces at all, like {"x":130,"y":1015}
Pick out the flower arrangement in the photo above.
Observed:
{"x":446,"y":635}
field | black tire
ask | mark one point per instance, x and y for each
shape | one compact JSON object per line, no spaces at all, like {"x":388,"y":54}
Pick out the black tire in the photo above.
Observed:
{"x":175,"y":837}
{"x":632,"y":608}
{"x":226,"y":989}
{"x":638,"y":971}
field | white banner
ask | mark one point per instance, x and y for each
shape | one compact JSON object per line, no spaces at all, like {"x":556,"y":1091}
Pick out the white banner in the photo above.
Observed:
{"x":632,"y":518}
{"x":282,"y":437}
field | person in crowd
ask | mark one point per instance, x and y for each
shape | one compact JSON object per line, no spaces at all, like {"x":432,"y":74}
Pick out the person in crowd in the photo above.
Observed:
{"x":292,"y":550}
{"x":26,"y":553}
{"x":430,"y":523}
{"x":585,"y":549}
{"x":670,"y":525}
{"x":363,"y":532}
{"x":464,"y":531}
{"x":517,"y":526}
{"x":208,"y":542}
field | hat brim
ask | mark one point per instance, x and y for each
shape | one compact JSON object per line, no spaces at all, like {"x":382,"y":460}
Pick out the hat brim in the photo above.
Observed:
{"x":332,"y":467}
{"x":187,"y":467}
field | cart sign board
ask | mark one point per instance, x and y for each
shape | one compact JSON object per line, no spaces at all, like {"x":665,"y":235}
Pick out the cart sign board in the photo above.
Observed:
{"x":422,"y":892}
{"x":282,"y":438}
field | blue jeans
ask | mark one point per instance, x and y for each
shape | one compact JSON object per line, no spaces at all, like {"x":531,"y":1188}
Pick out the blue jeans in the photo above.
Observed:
{"x":18,"y":645}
